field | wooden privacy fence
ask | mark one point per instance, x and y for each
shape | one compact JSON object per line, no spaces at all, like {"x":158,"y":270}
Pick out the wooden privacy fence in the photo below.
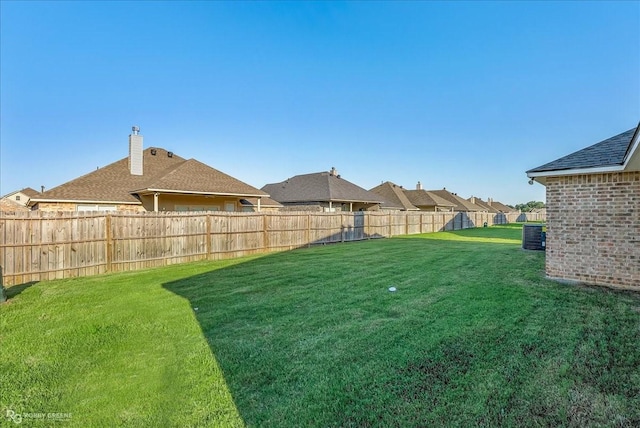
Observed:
{"x":40,"y":246}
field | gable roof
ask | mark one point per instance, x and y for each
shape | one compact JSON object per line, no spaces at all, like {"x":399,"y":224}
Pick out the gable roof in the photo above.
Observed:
{"x":425,"y":198}
{"x":192,"y":176}
{"x":26,"y":191}
{"x":264,"y":202}
{"x":501,"y":207}
{"x":394,"y":196}
{"x":115,"y":184}
{"x":617,"y":153}
{"x":479,"y":202}
{"x":319,"y":187}
{"x":460,"y":204}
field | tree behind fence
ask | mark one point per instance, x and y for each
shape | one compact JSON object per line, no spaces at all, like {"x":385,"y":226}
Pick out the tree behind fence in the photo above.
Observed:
{"x":39,"y":246}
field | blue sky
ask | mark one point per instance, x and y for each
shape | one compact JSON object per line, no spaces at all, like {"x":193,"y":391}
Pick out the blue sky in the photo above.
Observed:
{"x":462,"y":95}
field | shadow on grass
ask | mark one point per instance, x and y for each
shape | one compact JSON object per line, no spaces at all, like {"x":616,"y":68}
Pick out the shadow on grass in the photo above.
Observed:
{"x":306,"y":337}
{"x":15,"y":290}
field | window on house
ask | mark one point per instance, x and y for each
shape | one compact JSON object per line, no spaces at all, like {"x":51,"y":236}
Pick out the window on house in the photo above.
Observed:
{"x":230,"y":206}
{"x":197,"y":208}
{"x":17,"y":197}
{"x":95,"y":207}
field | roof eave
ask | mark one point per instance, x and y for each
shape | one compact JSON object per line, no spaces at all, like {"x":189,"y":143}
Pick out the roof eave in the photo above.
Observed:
{"x":355,"y":201}
{"x":34,"y":201}
{"x":575,"y":171}
{"x":541,"y":176}
{"x":193,"y":192}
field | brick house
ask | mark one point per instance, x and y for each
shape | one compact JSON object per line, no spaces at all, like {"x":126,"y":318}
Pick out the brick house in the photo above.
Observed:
{"x":428,"y":201}
{"x":593,"y":212}
{"x":322,"y":191}
{"x":17,"y":201}
{"x":153,"y":179}
{"x":394,"y":197}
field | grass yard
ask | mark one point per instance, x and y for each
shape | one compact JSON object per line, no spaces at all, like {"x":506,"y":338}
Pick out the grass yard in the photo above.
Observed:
{"x":473,"y":336}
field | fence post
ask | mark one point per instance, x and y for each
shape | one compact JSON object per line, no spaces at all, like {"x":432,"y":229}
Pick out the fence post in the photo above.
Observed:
{"x":308,"y":230}
{"x":3,"y":293}
{"x":265,"y":231}
{"x":406,"y":223}
{"x":366,"y":225}
{"x":109,"y":236}
{"x":207,"y":243}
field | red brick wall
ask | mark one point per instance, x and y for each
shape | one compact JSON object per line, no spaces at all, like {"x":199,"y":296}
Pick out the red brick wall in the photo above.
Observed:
{"x":593,"y":228}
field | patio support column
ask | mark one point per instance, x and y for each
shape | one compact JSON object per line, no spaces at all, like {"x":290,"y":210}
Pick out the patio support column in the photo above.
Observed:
{"x":350,"y":206}
{"x":155,"y":202}
{"x":330,"y":206}
{"x":259,"y":204}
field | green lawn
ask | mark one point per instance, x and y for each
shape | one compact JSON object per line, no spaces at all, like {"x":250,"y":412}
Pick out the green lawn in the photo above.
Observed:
{"x":473,"y":336}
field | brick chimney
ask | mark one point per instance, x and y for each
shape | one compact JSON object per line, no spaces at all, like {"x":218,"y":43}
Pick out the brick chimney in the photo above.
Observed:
{"x":473,"y":199}
{"x":489,"y":201}
{"x":135,"y":151}
{"x":419,"y":186}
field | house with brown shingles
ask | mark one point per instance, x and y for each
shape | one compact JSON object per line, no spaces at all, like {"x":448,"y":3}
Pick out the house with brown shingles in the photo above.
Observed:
{"x":491,"y":206}
{"x":17,"y":201}
{"x":322,"y":191}
{"x":593,"y":212}
{"x":152,"y":179}
{"x":428,"y":201}
{"x":394,"y":197}
{"x":486,"y":205}
{"x":460,"y":204}
{"x":500,"y":206}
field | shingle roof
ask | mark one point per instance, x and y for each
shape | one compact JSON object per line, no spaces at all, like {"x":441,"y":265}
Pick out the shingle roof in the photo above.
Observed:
{"x":319,"y":187}
{"x":114,"y":182}
{"x":501,"y":207}
{"x":461,"y":204}
{"x":26,"y":191}
{"x":479,"y":202}
{"x":425,"y":198}
{"x":194,"y":176}
{"x":264,"y":202}
{"x":609,"y":152}
{"x":394,"y":196}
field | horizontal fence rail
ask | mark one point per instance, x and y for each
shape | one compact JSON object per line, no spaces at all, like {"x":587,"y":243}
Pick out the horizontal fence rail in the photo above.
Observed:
{"x":38,"y":246}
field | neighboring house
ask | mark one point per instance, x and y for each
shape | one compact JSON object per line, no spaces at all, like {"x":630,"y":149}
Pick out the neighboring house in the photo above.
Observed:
{"x":266,"y":204}
{"x":322,"y":191}
{"x":394,"y":197}
{"x":17,"y":201}
{"x":460,"y":204}
{"x":428,"y":201}
{"x":500,"y":206}
{"x":9,"y":206}
{"x":593,"y":212}
{"x":541,"y":211}
{"x":20,"y":197}
{"x":485,"y":205}
{"x":150,"y":180}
